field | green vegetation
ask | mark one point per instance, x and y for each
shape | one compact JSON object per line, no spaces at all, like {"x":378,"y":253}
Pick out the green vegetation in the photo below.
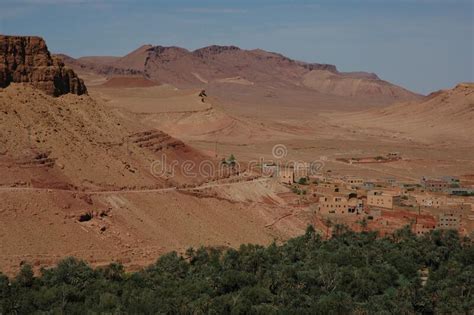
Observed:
{"x":303,"y":181}
{"x":363,"y":223}
{"x":357,"y":273}
{"x":464,"y":194}
{"x":298,"y":191}
{"x":229,"y":161}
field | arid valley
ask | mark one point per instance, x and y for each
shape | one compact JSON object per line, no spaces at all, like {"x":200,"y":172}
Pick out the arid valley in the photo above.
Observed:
{"x":237,"y":157}
{"x":126,"y":158}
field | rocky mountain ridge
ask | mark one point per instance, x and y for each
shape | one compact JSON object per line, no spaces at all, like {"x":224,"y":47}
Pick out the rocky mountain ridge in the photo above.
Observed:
{"x":256,"y":68}
{"x":26,"y":59}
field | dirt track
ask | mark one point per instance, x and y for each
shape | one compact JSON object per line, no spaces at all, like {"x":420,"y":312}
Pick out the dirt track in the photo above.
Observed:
{"x":105,"y":192}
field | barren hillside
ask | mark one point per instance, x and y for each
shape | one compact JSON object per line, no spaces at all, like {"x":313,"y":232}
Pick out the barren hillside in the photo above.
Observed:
{"x":82,"y":179}
{"x":186,"y":115}
{"x":77,"y":181}
{"x":444,"y":116}
{"x":72,"y":141}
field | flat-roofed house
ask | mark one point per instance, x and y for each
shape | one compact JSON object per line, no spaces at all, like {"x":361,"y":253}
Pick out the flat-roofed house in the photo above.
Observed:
{"x":333,"y":205}
{"x":286,"y":176}
{"x":354,"y":182}
{"x":449,"y":221}
{"x":381,"y":199}
{"x":450,"y":180}
{"x":430,"y":200}
{"x":327,"y":188}
{"x":269,"y":169}
{"x":421,"y":228}
{"x":301,"y":170}
{"x":434,"y":185}
{"x":340,"y":205}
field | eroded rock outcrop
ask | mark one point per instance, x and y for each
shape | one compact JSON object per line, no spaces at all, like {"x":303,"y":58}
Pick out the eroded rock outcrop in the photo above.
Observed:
{"x":26,"y":59}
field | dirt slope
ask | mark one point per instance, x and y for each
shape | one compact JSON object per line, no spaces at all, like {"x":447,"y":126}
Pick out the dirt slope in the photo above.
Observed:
{"x":76,"y":181}
{"x":72,"y":141}
{"x":186,"y":115}
{"x":128,"y":82}
{"x":443,"y":116}
{"x":43,"y":227}
{"x":353,"y":84}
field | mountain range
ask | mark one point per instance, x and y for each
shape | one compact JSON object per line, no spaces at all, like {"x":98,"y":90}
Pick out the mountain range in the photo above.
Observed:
{"x":245,"y":70}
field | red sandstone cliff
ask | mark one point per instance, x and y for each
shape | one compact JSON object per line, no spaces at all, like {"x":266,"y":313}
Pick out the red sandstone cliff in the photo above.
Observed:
{"x":26,"y":59}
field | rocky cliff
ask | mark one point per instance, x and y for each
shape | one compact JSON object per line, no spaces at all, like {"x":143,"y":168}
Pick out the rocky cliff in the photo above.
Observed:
{"x":26,"y":59}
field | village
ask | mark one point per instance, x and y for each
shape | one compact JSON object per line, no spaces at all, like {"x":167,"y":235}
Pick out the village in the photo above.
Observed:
{"x":380,"y":204}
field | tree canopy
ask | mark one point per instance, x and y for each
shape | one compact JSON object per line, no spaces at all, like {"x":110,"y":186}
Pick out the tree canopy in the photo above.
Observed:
{"x":357,"y":273}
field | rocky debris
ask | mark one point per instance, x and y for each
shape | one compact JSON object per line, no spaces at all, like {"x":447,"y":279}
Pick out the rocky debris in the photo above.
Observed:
{"x":161,"y":50}
{"x":26,"y":59}
{"x":361,"y":75}
{"x":319,"y":66}
{"x":87,"y":199}
{"x":155,"y":140}
{"x":333,"y":69}
{"x":203,"y":95}
{"x":39,"y":159}
{"x":214,"y":49}
{"x":89,"y":215}
{"x":83,"y":65}
{"x":84,"y":217}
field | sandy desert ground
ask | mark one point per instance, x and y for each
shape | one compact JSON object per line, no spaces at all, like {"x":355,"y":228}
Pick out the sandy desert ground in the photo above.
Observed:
{"x":430,"y":144}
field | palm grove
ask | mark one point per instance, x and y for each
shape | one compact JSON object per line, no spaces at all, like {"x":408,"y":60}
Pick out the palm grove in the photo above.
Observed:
{"x":357,"y":273}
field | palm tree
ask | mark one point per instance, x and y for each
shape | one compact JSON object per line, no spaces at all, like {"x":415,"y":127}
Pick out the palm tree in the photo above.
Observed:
{"x":363,"y":224}
{"x":328,"y":224}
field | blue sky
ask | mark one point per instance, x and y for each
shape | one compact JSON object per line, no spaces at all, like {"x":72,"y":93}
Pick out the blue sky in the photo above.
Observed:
{"x":423,"y":45}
